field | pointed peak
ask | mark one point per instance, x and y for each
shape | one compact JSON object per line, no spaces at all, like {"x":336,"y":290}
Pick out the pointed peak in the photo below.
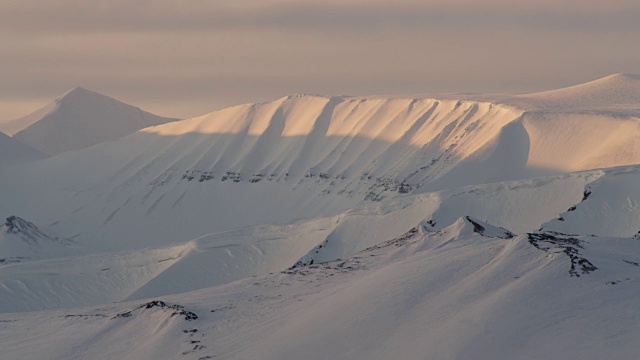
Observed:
{"x":15,"y":224}
{"x":466,"y":225}
{"x":80,"y":92}
{"x":80,"y":89}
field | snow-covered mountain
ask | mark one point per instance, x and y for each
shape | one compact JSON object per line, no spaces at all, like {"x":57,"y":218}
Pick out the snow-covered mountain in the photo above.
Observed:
{"x":337,"y":227}
{"x":470,"y":290}
{"x":14,"y":152}
{"x":81,"y":118}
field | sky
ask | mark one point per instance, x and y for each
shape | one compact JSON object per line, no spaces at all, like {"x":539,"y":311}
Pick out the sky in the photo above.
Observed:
{"x":183,"y":59}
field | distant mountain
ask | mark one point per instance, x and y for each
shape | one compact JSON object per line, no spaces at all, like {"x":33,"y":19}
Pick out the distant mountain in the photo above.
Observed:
{"x":81,"y":118}
{"x":14,"y":152}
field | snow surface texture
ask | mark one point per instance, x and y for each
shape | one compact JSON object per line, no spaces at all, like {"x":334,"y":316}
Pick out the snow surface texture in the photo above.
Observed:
{"x":490,"y":226}
{"x":81,"y":118}
{"x":458,"y":293}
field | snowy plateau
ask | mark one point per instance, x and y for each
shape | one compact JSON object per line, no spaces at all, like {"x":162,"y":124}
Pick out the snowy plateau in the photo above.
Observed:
{"x":346,"y":227}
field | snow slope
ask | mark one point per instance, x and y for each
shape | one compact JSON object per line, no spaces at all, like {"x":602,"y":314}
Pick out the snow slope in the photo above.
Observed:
{"x":470,"y":290}
{"x":336,"y":227}
{"x":82,"y":118}
{"x":588,"y":203}
{"x":616,"y":94}
{"x":14,"y":152}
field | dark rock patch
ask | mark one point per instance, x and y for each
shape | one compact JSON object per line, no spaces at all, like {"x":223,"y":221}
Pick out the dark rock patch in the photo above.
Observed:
{"x":569,"y":245}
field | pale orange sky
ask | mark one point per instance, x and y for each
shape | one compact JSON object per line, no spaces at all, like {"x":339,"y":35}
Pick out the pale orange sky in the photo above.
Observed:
{"x":185,"y":60}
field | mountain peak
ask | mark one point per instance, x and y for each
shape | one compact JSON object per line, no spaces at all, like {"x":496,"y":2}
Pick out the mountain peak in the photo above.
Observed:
{"x":466,"y":226}
{"x":78,"y":90}
{"x":79,"y":93}
{"x":81,"y":118}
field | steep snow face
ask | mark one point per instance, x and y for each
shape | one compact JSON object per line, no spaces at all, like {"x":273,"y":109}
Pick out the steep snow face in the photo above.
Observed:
{"x":82,"y":118}
{"x":14,"y":152}
{"x":387,"y":143}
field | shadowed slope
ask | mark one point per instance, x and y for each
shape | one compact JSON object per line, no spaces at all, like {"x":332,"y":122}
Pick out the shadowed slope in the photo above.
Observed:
{"x":15,"y":152}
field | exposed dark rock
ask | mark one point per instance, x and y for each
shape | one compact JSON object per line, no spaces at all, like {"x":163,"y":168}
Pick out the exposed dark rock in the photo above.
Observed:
{"x":477,"y":228}
{"x":256,"y":178}
{"x":85,"y":316}
{"x":399,"y":241}
{"x":28,"y":231}
{"x":569,"y":245}
{"x":174,"y":309}
{"x":634,"y":263}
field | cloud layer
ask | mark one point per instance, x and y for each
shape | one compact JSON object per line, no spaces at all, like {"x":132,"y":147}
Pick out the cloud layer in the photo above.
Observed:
{"x":187,"y":58}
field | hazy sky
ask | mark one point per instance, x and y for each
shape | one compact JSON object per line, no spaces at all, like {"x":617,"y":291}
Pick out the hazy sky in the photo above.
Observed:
{"x":186,"y":58}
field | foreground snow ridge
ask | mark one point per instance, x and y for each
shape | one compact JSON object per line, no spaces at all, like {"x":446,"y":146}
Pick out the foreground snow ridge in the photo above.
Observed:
{"x":377,"y":227}
{"x":457,"y":281}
